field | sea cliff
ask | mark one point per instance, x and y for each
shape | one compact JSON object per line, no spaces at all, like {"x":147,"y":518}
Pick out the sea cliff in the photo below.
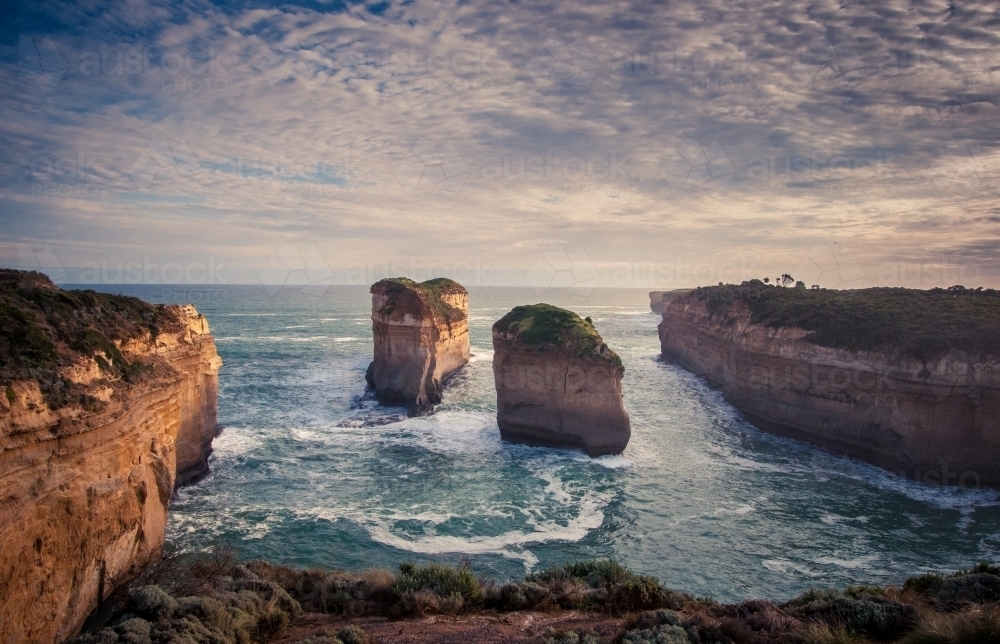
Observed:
{"x":110,"y":403}
{"x":558,"y":384}
{"x":421,"y":337}
{"x":907,"y":380}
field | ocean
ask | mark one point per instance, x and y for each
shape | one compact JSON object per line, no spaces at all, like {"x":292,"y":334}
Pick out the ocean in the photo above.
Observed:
{"x":310,"y":471}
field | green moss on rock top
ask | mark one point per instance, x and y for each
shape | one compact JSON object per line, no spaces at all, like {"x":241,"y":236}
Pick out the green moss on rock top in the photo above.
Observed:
{"x":430,"y":292}
{"x":545,"y":325}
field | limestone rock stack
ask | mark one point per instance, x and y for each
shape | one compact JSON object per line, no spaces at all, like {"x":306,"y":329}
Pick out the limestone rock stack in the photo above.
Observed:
{"x":558,"y":384}
{"x":421,"y":337}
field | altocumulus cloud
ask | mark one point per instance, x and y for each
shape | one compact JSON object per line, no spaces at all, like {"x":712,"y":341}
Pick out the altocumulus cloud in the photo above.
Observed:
{"x":724,"y":136}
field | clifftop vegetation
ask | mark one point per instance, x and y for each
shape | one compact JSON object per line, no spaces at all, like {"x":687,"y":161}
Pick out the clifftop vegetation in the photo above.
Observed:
{"x":429,"y":292}
{"x":923,"y":324}
{"x":544,"y":325}
{"x":43,"y":328}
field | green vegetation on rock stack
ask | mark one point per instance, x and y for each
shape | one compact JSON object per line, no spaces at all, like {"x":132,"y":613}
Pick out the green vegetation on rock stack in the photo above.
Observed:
{"x":43,"y":328}
{"x":546,"y":325}
{"x":920,"y":323}
{"x":430,"y":292}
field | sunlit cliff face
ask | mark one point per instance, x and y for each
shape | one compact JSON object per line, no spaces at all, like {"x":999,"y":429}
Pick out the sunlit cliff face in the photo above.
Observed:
{"x":563,"y":144}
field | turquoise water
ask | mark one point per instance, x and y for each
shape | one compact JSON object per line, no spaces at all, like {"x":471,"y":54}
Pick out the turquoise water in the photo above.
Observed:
{"x":310,"y":472}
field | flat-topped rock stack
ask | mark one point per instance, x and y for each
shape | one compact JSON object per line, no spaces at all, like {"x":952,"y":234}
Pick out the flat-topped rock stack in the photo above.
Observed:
{"x":558,"y":384}
{"x":421,"y":337}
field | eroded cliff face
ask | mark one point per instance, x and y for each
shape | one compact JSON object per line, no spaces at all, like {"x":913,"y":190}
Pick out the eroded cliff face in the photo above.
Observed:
{"x":937,"y":422}
{"x":84,"y":493}
{"x":421,"y":337}
{"x":656,"y":301}
{"x":559,"y":394}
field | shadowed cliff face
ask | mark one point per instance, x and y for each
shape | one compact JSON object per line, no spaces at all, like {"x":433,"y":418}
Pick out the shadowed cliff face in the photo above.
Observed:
{"x":84,"y":487}
{"x":935,"y":418}
{"x":557,"y":383}
{"x":421,"y":337}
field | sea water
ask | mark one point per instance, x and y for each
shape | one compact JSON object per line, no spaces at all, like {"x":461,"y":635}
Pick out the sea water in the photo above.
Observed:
{"x":310,"y":471}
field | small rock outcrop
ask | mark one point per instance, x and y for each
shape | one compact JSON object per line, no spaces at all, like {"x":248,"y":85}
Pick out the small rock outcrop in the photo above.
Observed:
{"x":421,"y":337}
{"x":558,"y":383}
{"x":659,"y":299}
{"x":656,"y":301}
{"x":110,"y":403}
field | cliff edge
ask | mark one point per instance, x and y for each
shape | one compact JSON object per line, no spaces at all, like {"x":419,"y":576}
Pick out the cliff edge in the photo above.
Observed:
{"x":558,"y":384}
{"x":110,"y":403}
{"x":421,"y":337}
{"x":906,"y":379}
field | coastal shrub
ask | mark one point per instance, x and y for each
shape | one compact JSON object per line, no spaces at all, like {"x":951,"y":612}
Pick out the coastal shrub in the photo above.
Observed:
{"x":522,"y":595}
{"x":610,"y":585}
{"x":354,"y":635}
{"x":975,"y":587}
{"x":660,"y":627}
{"x":975,"y":625}
{"x":870,"y":615}
{"x":827,"y":634}
{"x":444,"y":581}
{"x":240,"y":609}
{"x":153,"y":602}
{"x":978,"y":584}
{"x":556,"y":636}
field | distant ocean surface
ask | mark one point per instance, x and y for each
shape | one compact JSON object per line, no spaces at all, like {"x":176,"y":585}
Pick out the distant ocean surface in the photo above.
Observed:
{"x":305,"y":475}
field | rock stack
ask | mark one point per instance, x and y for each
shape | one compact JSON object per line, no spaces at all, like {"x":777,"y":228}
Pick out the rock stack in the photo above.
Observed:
{"x":558,"y":384}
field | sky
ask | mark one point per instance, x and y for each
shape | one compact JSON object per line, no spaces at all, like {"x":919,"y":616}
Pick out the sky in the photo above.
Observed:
{"x":551,"y":143}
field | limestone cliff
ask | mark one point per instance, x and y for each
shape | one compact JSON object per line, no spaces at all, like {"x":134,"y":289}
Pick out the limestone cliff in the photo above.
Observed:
{"x":558,"y":384}
{"x":657,"y":298}
{"x":656,"y":301}
{"x":902,"y":380}
{"x":121,"y":409}
{"x":421,"y":337}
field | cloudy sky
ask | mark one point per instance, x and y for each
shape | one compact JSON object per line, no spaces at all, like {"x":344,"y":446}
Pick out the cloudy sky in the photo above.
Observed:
{"x":641,"y":144}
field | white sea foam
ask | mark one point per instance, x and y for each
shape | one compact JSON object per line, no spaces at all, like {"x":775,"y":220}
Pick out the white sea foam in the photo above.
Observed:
{"x":590,"y":516}
{"x":481,"y":355}
{"x":850,"y":564}
{"x":783,"y":566}
{"x":610,"y":461}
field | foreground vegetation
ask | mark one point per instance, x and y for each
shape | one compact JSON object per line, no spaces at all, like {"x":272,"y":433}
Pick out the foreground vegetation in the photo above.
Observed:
{"x":218,"y":600}
{"x":919,"y":323}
